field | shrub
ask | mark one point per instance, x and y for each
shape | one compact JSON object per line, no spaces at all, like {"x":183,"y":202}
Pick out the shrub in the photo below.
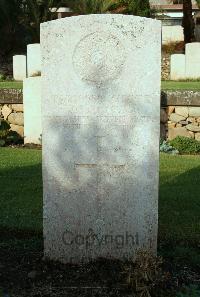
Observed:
{"x":2,"y":77}
{"x":165,"y":147}
{"x":7,"y":136}
{"x":191,"y":291}
{"x":186,"y":145}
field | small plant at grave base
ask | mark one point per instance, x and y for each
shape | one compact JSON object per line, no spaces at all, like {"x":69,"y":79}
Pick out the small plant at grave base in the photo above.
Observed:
{"x":191,"y":291}
{"x":2,"y":77}
{"x":186,"y":145}
{"x":4,"y":129}
{"x":165,"y":147}
{"x":7,"y":136}
{"x":144,"y":276}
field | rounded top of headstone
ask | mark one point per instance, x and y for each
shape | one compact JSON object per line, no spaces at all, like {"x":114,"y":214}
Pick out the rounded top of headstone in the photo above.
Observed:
{"x":99,"y":57}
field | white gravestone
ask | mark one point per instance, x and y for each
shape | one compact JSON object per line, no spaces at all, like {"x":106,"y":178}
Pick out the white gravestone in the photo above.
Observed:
{"x":34,"y":59}
{"x":192,"y":60}
{"x":177,"y":67}
{"x":19,"y":67}
{"x":32,"y":110}
{"x":100,"y":114}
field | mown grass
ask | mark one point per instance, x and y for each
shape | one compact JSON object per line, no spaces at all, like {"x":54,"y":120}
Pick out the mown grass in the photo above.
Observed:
{"x":166,"y":85}
{"x":180,"y":85}
{"x":11,"y":85}
{"x":179,"y":202}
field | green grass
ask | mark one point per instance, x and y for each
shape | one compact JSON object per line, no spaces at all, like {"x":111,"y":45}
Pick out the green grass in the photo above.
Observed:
{"x":21,"y":190}
{"x":179,"y":202}
{"x":166,"y":85}
{"x":181,"y":85}
{"x":11,"y":85}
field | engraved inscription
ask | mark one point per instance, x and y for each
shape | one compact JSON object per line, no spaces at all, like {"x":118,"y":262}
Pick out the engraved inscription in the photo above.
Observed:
{"x":99,"y":57}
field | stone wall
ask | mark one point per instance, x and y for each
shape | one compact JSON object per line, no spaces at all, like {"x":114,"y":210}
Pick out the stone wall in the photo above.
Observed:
{"x":11,"y":109}
{"x":180,"y":114}
{"x":13,"y":113}
{"x":165,"y":66}
{"x":180,"y":121}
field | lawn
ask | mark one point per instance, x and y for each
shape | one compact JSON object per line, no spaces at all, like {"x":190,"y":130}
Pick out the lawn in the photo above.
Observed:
{"x":180,"y":85}
{"x":21,"y":223}
{"x":11,"y":85}
{"x":166,"y":85}
{"x":179,"y":203}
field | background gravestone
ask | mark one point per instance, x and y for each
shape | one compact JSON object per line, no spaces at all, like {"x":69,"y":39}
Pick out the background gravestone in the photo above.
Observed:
{"x":192,"y":66}
{"x":100,"y":110}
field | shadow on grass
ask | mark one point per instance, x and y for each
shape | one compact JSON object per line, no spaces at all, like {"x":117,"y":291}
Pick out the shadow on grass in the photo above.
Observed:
{"x":179,"y":217}
{"x":179,"y":211}
{"x":21,"y":204}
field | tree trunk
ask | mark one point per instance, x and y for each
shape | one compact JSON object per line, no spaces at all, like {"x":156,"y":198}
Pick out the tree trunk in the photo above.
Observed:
{"x":188,"y":21}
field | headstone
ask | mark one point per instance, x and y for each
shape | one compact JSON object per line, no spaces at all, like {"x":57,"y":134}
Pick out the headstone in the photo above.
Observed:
{"x":101,"y":114}
{"x":32,"y":110}
{"x":193,"y":60}
{"x":172,"y":34}
{"x":34,"y":59}
{"x":177,"y":70}
{"x":19,"y":67}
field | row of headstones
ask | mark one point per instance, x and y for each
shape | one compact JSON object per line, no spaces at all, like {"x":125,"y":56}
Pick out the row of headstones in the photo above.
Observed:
{"x":186,"y":66}
{"x":27,"y":66}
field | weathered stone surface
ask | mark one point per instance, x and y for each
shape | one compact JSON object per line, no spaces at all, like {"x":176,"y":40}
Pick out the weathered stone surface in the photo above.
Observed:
{"x":177,"y":67}
{"x":183,"y":111}
{"x":184,"y":123}
{"x":191,"y":120}
{"x":18,"y":129}
{"x":193,"y":128}
{"x":170,"y":109}
{"x":174,"y":132}
{"x":162,"y":131}
{"x":171,"y":125}
{"x":6,"y":111}
{"x":176,"y":118}
{"x":19,"y":67}
{"x":191,"y":134}
{"x":16,"y":118}
{"x":194,"y":111}
{"x":33,"y":59}
{"x":180,"y":98}
{"x":192,"y":60}
{"x":11,"y":96}
{"x":163,"y":116}
{"x":100,"y":109}
{"x":32,"y":111}
{"x":18,"y":107}
{"x":197,"y":136}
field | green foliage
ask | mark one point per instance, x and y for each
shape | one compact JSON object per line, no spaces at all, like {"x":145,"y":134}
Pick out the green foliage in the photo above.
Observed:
{"x":165,"y":147}
{"x":4,"y":125}
{"x":92,"y":6}
{"x":2,"y":142}
{"x":2,"y":77}
{"x":191,"y":291}
{"x":198,"y":3}
{"x":37,"y":12}
{"x":186,"y":145}
{"x":11,"y":27}
{"x":13,"y":138}
{"x":6,"y":136}
{"x":137,"y":7}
